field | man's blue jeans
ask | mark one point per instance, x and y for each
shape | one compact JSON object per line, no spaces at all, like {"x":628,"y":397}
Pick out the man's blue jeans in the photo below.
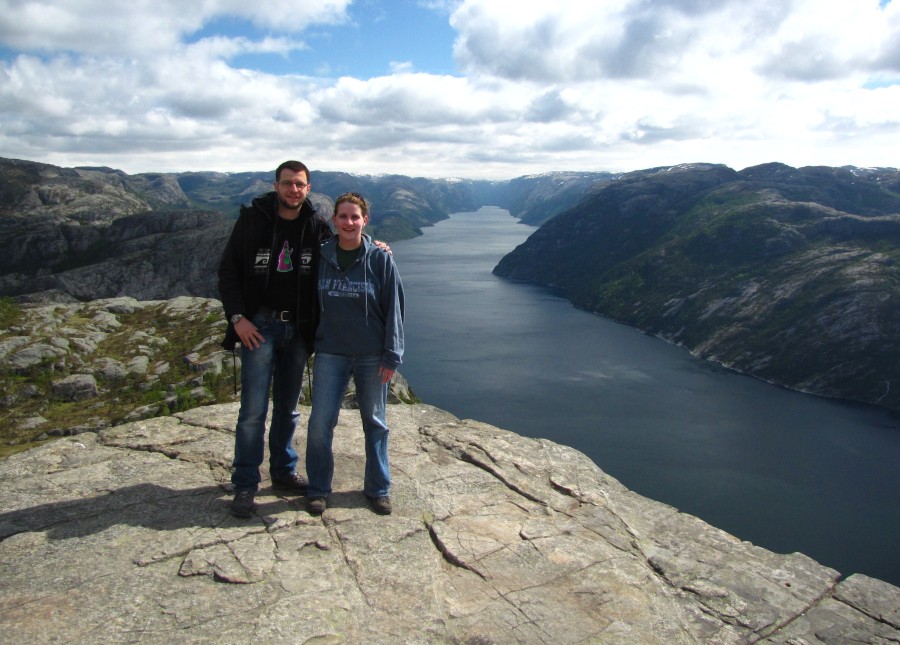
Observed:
{"x":331,"y":374}
{"x":279,"y":363}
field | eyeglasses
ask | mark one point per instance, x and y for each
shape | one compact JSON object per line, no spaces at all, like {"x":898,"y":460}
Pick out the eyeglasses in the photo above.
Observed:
{"x":287,"y":185}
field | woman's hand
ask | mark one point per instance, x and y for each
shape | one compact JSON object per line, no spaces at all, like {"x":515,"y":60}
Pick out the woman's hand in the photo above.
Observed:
{"x":386,"y":374}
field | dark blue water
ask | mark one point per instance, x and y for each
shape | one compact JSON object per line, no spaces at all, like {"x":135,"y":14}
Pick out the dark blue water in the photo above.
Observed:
{"x":784,"y":470}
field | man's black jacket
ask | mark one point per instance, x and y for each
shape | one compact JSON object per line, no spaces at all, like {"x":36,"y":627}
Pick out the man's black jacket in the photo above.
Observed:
{"x":244,"y":267}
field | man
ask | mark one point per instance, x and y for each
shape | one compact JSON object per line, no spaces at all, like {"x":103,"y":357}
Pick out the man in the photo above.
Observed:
{"x":267,"y":287}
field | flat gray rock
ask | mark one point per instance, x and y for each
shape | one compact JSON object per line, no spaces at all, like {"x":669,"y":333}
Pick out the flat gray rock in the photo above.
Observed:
{"x":124,"y":535}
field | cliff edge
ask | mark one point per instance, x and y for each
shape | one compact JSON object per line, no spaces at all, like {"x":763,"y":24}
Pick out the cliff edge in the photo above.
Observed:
{"x":123,"y":535}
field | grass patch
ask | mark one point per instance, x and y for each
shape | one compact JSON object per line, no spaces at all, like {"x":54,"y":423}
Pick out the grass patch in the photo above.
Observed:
{"x":152,"y":335}
{"x":169,"y":360}
{"x":10,"y":313}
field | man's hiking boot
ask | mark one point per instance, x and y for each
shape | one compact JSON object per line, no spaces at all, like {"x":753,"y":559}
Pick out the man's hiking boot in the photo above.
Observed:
{"x":242,"y":504}
{"x":316,"y":505}
{"x":293,"y":482}
{"x":381,"y":505}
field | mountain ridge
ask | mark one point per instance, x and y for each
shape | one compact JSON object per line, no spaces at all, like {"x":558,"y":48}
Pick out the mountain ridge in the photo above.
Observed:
{"x":60,"y":228}
{"x":760,"y":270}
{"x":786,"y":274}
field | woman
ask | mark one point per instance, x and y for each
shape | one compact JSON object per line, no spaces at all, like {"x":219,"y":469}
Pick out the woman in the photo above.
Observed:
{"x":360,"y":333}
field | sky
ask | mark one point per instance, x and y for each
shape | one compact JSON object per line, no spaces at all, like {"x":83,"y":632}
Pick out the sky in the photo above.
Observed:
{"x":490,"y":89}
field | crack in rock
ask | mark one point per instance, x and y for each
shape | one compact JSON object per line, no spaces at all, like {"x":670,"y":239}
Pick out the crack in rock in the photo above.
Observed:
{"x":244,"y":566}
{"x":210,"y":427}
{"x":776,"y":626}
{"x":881,"y":604}
{"x":448,"y":554}
{"x":197,"y":546}
{"x":469,"y":456}
{"x":498,"y":474}
{"x":354,"y":571}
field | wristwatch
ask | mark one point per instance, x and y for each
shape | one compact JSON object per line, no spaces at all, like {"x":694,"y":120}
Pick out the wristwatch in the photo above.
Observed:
{"x":235,"y":318}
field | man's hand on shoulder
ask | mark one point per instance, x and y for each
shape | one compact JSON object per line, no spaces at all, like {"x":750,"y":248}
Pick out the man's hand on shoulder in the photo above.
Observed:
{"x":382,"y":245}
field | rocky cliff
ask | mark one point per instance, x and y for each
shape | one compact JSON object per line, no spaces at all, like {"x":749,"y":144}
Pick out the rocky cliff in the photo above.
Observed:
{"x":790,"y":275}
{"x":114,"y":525}
{"x":97,"y":233}
{"x":123,"y":535}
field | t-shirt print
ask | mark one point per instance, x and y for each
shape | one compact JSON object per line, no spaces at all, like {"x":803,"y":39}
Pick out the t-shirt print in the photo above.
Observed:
{"x":284,"y":259}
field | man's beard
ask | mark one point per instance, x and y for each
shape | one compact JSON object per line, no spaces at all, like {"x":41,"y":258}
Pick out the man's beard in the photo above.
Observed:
{"x":291,"y":207}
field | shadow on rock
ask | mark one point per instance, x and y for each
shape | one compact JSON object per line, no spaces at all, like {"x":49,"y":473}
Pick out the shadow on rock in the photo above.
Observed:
{"x":147,"y":505}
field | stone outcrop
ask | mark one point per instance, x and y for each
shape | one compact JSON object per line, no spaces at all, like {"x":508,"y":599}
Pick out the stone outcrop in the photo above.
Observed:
{"x":123,"y":535}
{"x":76,"y":387}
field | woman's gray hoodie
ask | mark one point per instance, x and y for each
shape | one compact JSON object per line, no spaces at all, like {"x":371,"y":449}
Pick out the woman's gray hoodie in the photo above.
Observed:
{"x":361,"y":310}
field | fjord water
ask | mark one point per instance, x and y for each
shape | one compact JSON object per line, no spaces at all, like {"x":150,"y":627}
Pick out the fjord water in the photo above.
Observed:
{"x":784,"y":470}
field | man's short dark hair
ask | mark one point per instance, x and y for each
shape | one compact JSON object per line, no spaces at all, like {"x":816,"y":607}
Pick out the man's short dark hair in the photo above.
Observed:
{"x":296,"y":166}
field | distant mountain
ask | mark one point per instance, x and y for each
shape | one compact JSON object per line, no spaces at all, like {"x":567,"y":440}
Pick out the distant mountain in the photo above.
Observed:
{"x":89,"y":233}
{"x":787,"y":274}
{"x":534,"y":199}
{"x":93,"y":233}
{"x":400,"y":205}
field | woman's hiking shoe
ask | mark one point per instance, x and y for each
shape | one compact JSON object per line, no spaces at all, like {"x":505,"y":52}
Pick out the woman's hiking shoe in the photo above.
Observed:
{"x":316,"y":505}
{"x":242,"y":504}
{"x":381,"y":505}
{"x":293,"y":482}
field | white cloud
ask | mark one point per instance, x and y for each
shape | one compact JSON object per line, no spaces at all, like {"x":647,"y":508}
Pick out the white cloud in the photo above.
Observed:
{"x":141,"y":28}
{"x":401,"y":67}
{"x":565,"y":85}
{"x":581,"y":42}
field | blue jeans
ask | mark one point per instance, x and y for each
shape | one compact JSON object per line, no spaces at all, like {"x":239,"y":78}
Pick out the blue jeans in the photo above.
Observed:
{"x":331,"y":374}
{"x":279,"y":363}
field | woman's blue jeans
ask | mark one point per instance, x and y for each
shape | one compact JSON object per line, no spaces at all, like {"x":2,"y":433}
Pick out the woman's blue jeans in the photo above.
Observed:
{"x":331,"y":374}
{"x":277,"y":363}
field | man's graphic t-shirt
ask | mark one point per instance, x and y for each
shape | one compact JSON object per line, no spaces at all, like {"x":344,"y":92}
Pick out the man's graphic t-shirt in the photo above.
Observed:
{"x":281,"y":293}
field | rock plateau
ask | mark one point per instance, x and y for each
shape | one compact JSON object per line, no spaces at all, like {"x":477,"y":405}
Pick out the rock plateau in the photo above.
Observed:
{"x":123,"y":536}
